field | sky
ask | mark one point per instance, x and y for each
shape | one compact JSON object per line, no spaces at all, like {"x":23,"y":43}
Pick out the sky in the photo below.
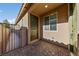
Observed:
{"x":9,"y":11}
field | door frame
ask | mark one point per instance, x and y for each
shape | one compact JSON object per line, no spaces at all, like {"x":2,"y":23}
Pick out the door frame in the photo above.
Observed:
{"x":29,"y":40}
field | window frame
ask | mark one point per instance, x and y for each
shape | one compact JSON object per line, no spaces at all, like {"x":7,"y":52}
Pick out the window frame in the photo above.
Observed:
{"x":49,"y":22}
{"x":44,"y":24}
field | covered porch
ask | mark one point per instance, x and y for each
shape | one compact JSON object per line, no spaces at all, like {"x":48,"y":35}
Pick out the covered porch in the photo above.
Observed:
{"x":53,"y":22}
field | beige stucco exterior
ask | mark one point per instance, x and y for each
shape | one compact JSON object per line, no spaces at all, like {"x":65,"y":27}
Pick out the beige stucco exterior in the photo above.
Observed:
{"x":23,"y":22}
{"x":62,"y":33}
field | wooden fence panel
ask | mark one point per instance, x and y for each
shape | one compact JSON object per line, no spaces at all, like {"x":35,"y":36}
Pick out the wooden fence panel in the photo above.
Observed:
{"x":0,"y":39}
{"x":11,"y":38}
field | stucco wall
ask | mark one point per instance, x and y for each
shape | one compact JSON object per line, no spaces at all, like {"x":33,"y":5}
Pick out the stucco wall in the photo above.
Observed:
{"x":62,"y":33}
{"x":23,"y":22}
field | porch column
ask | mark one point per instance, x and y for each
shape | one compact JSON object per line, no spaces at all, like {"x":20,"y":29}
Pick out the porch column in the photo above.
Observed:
{"x":77,"y":28}
{"x":73,"y":28}
{"x":40,"y":28}
{"x":29,"y":28}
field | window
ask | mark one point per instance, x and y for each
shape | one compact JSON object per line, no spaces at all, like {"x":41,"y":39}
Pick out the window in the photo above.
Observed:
{"x":47,"y":23}
{"x":50,"y":22}
{"x":53,"y":22}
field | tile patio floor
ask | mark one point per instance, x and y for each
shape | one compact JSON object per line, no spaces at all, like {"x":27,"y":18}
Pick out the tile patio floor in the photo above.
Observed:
{"x":40,"y":48}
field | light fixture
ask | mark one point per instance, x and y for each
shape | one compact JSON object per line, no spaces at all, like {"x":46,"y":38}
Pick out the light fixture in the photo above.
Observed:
{"x":46,"y":6}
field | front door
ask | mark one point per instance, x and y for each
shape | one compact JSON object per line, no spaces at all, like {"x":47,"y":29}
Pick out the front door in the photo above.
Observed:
{"x":34,"y":27}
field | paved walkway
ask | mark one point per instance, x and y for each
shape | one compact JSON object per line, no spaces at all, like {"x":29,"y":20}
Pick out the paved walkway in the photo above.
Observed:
{"x":40,"y":48}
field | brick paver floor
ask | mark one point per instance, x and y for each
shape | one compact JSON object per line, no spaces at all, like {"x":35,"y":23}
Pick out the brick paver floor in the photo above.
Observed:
{"x":40,"y":48}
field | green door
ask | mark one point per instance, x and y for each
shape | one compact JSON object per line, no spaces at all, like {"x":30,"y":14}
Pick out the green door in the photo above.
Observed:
{"x":34,"y":27}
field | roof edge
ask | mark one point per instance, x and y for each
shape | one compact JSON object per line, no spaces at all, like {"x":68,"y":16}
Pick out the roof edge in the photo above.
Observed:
{"x":24,"y":8}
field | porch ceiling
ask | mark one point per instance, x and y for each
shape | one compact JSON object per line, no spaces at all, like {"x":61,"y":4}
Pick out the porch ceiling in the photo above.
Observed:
{"x":39,"y":8}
